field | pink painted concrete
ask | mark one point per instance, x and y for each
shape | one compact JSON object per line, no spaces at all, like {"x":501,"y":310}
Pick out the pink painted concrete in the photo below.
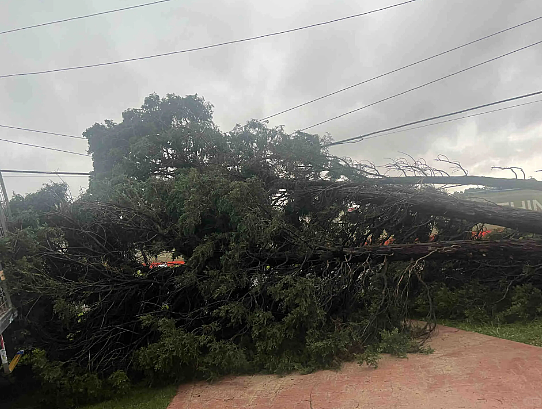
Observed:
{"x":467,"y":370}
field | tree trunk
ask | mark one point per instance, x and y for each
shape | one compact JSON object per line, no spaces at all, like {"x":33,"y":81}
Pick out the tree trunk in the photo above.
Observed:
{"x":429,"y":201}
{"x":457,"y":250}
{"x":519,"y":250}
{"x":503,"y":183}
{"x":442,"y":204}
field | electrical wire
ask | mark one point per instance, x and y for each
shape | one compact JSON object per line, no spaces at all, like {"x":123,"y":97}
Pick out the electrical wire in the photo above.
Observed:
{"x":399,"y":69}
{"x":44,"y":147}
{"x":45,"y":172}
{"x":341,"y":90}
{"x":364,"y":136}
{"x":422,"y":86}
{"x":40,"y":176}
{"x":44,"y":132}
{"x":82,"y":17}
{"x":209,"y":46}
{"x":454,"y":119}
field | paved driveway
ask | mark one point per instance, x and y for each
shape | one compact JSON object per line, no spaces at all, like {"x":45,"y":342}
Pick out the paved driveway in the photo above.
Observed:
{"x":467,"y":370}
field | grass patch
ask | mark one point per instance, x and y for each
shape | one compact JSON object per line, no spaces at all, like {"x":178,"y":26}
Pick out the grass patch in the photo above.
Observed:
{"x":142,"y":398}
{"x":525,"y":332}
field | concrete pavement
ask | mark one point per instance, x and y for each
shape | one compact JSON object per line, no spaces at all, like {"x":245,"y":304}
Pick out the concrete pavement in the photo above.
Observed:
{"x":467,"y":370}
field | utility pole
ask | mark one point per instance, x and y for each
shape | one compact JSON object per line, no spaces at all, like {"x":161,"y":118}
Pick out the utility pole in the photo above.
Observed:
{"x":7,"y":312}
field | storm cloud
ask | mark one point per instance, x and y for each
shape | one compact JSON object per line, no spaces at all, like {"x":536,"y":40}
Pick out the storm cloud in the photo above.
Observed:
{"x":259,"y":78}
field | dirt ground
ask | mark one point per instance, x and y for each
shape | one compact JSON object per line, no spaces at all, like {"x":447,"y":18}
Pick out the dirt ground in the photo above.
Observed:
{"x":467,"y":370}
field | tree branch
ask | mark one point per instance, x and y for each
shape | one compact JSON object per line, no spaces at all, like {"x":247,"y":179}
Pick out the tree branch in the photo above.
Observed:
{"x":503,"y":183}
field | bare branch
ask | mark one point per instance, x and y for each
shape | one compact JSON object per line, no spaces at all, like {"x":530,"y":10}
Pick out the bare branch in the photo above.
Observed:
{"x":511,"y":168}
{"x":456,"y":164}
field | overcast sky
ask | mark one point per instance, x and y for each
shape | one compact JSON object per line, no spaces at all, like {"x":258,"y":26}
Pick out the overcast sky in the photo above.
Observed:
{"x":259,"y":78}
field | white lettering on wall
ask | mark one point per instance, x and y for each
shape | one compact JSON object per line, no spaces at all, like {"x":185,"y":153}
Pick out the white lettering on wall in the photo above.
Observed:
{"x":531,"y":204}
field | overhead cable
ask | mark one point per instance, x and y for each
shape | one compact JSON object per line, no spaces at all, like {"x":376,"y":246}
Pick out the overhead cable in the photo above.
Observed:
{"x":44,"y":147}
{"x":44,"y":172}
{"x":82,"y":17}
{"x":455,"y":119}
{"x":42,"y":176}
{"x":44,"y":132}
{"x":422,"y":85}
{"x":400,"y":69}
{"x":364,"y":136}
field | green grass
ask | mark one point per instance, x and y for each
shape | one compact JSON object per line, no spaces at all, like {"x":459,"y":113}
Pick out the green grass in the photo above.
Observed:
{"x":525,"y":332}
{"x":142,"y":398}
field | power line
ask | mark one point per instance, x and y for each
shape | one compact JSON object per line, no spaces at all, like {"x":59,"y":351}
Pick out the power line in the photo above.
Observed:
{"x":208,"y":46}
{"x":42,"y":176}
{"x":333,"y":93}
{"x":422,"y":86}
{"x":44,"y":147}
{"x":44,"y":132}
{"x":44,"y":172}
{"x":455,"y":119}
{"x":399,"y":69}
{"x":82,"y":17}
{"x":364,"y":136}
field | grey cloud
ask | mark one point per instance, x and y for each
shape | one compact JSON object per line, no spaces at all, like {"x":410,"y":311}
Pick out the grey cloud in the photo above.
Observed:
{"x":259,"y":78}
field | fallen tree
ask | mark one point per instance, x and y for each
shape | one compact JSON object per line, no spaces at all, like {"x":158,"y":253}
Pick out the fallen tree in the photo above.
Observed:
{"x":274,"y":233}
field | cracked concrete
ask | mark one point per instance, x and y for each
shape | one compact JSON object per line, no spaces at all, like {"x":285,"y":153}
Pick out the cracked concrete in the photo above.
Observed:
{"x":467,"y":370}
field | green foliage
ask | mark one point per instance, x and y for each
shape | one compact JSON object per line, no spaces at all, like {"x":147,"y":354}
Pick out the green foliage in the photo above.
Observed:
{"x":119,"y":382}
{"x":266,"y":286}
{"x":471,"y":301}
{"x":65,"y":386}
{"x":396,"y":343}
{"x":181,"y":355}
{"x":141,"y":398}
{"x":33,"y":209}
{"x":506,"y":293}
{"x":527,"y":332}
{"x":526,"y":304}
{"x":371,"y":356}
{"x":136,"y":145}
